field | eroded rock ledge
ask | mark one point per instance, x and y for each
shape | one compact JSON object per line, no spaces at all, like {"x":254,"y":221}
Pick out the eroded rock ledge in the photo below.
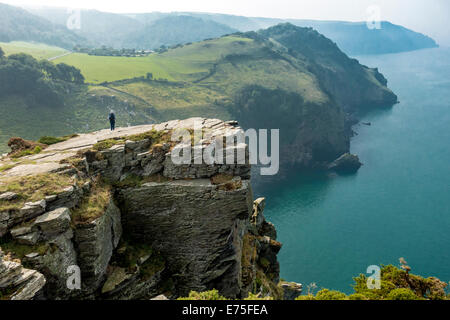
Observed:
{"x":136,"y":225}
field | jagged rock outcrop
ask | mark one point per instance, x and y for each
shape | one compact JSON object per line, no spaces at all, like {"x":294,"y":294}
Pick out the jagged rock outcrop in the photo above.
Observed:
{"x":291,"y":290}
{"x":136,"y":224}
{"x":260,"y":267}
{"x":95,"y":242}
{"x":17,"y":282}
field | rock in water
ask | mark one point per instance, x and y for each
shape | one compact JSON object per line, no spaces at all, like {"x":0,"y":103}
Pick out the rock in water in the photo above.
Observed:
{"x":347,"y":163}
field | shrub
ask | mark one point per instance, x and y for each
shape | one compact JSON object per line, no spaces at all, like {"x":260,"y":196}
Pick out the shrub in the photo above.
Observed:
{"x":207,"y":295}
{"x":50,"y":140}
{"x":357,"y":296}
{"x":402,"y":294}
{"x":326,"y":294}
{"x":306,"y":297}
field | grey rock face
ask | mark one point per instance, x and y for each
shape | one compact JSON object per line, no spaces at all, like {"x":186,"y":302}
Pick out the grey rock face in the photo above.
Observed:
{"x":54,"y":222}
{"x":24,"y":283}
{"x":197,"y":227}
{"x":55,"y":263}
{"x":69,"y":198}
{"x":137,"y":158}
{"x":30,"y":211}
{"x":95,"y":242}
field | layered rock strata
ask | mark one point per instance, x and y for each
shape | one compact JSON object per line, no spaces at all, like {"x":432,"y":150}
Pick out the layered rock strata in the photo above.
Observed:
{"x":136,"y":224}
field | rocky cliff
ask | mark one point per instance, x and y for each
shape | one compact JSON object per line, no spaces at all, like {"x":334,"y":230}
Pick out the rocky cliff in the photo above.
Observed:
{"x":108,"y":215}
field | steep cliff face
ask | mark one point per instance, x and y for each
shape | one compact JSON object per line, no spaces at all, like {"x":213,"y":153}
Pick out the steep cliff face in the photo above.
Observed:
{"x":136,"y":225}
{"x":316,"y":113}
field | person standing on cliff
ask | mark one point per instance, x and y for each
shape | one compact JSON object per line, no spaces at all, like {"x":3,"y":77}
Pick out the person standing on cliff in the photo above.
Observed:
{"x":112,"y":120}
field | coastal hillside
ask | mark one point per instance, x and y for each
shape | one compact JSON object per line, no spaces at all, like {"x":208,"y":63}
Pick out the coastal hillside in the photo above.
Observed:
{"x":285,"y":77}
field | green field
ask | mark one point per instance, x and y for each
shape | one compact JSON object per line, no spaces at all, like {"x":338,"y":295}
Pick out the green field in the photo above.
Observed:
{"x":37,"y":50}
{"x":181,"y":64}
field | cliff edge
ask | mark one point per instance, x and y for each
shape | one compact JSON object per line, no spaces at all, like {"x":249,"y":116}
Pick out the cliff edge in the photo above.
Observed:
{"x":108,"y":215}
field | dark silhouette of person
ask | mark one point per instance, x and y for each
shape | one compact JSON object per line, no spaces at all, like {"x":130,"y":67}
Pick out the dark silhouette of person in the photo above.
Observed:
{"x":112,"y":120}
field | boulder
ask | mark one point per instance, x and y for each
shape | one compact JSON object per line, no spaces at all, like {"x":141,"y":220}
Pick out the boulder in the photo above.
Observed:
{"x":347,"y":163}
{"x":8,"y":196}
{"x":32,"y":210}
{"x":54,"y":222}
{"x":291,"y":290}
{"x":23,"y":284}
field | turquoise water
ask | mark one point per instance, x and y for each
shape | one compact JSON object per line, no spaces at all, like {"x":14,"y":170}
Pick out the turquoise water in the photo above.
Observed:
{"x":397,"y":205}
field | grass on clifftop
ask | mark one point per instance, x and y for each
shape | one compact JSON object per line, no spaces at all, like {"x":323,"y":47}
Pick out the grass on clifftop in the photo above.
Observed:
{"x":93,"y":205}
{"x":32,"y":188}
{"x":54,"y":140}
{"x":155,"y":137}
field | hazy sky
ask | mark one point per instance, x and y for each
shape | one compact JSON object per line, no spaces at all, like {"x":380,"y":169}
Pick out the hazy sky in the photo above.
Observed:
{"x":427,"y":16}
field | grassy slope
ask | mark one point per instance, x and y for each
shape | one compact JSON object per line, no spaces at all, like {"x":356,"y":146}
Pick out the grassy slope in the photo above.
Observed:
{"x":173,"y":65}
{"x":183,"y":97}
{"x":37,"y":50}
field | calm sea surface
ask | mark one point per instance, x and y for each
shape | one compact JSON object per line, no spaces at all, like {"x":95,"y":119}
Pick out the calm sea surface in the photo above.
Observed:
{"x":397,"y":205}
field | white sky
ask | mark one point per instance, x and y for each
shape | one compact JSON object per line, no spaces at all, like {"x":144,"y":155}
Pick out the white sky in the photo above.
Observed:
{"x":427,"y":16}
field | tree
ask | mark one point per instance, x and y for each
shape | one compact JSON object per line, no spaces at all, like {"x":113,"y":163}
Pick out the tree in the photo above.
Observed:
{"x":39,"y":82}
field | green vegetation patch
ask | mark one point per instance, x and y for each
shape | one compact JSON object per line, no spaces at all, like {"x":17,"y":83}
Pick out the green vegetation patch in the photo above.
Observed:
{"x":207,"y":295}
{"x":155,"y":137}
{"x":48,"y":140}
{"x":7,"y":167}
{"x":37,"y":50}
{"x":19,"y":251}
{"x":94,"y":205}
{"x":396,"y":284}
{"x":33,"y":188}
{"x":26,"y":152}
{"x":106,"y":144}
